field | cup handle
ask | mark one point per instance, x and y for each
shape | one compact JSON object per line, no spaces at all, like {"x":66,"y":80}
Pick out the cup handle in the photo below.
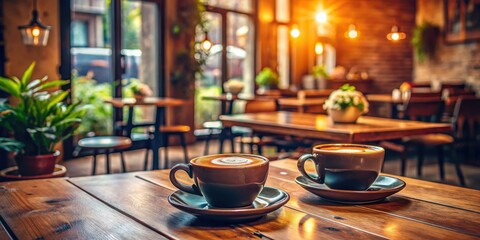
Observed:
{"x":318,"y":167}
{"x":188,"y":169}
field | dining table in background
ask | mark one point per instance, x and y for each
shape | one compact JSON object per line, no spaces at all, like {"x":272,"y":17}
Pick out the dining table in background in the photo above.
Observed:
{"x":320,"y":126}
{"x":135,"y":205}
{"x":386,"y":100}
{"x":301,"y":105}
{"x":227,"y":100}
{"x":160,"y":104}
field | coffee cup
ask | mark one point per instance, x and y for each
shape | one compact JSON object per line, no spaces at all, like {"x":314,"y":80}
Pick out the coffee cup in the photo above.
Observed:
{"x":225,"y":180}
{"x":344,"y":166}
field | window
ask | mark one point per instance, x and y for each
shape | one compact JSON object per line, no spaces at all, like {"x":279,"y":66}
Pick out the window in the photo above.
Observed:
{"x":79,"y":33}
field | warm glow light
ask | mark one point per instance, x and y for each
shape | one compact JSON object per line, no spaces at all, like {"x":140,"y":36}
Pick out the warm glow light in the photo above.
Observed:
{"x":395,"y":34}
{"x":318,"y":48}
{"x":352,"y":32}
{"x":295,"y":32}
{"x":321,"y":17}
{"x":206,"y":45}
{"x":35,"y":32}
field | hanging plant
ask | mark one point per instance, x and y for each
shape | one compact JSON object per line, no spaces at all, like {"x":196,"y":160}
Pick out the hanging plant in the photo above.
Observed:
{"x":189,"y":57}
{"x":424,"y":40}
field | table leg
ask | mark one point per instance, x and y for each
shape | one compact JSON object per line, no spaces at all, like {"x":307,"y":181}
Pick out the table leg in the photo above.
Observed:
{"x":157,"y":140}
{"x":221,"y":139}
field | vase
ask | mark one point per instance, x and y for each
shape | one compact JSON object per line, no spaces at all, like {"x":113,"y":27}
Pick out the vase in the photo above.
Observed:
{"x":138,"y":97}
{"x":347,"y":115}
{"x":36,"y":165}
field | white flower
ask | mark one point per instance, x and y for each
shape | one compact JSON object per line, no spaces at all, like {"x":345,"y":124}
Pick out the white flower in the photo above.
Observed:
{"x":340,"y":99}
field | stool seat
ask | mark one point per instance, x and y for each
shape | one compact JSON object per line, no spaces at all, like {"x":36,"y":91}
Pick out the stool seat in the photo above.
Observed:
{"x":105,"y":142}
{"x":175,"y":129}
{"x":430,"y":139}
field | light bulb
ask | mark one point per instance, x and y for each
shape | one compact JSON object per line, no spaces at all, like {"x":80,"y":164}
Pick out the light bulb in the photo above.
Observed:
{"x":295,"y":33}
{"x":395,"y":36}
{"x":352,"y":32}
{"x":35,"y":32}
{"x":206,"y":45}
{"x":318,"y":48}
{"x":321,"y":17}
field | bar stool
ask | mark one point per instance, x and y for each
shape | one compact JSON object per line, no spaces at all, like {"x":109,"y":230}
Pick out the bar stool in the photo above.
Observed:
{"x":167,"y":131}
{"x":107,"y":144}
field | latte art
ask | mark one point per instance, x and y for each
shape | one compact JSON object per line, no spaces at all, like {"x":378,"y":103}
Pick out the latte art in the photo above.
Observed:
{"x":232,"y":161}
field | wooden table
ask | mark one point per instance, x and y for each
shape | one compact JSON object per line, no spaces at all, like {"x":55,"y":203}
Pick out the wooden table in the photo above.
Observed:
{"x":386,"y":99}
{"x":228,"y":100}
{"x":300,"y":104}
{"x":135,"y":206}
{"x":319,"y":126}
{"x":160,"y":104}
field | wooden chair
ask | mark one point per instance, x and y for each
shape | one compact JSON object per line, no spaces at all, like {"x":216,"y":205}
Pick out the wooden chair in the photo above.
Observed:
{"x":421,"y":109}
{"x":106,"y":144}
{"x":466,"y":122}
{"x":451,"y":95}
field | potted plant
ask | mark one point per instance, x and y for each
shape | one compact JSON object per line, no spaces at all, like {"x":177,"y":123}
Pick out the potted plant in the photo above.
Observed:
{"x":346,"y":104}
{"x":267,"y":79}
{"x":37,"y":121}
{"x":140,"y":90}
{"x":424,"y":40}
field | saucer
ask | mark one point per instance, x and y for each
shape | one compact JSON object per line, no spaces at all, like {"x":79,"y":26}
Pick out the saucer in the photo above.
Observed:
{"x":383,"y":187}
{"x":269,"y":200}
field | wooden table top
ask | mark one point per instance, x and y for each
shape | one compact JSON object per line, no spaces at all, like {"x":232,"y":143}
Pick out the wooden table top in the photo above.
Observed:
{"x":148,"y":101}
{"x":383,"y":98}
{"x":134,"y":205}
{"x":297,"y":102}
{"x":319,"y":126}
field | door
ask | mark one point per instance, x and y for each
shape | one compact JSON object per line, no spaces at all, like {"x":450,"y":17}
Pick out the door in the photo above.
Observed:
{"x":113,"y":45}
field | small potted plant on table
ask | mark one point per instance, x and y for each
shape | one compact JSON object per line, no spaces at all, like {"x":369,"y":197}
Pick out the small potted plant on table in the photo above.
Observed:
{"x":345,"y":105}
{"x":37,"y":120}
{"x":267,"y":79}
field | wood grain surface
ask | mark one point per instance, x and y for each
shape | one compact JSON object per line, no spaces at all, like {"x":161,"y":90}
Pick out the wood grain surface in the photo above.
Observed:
{"x":319,"y":126}
{"x":135,"y":206}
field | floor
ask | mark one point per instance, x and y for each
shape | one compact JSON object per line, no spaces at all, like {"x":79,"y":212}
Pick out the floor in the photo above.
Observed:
{"x":82,"y":166}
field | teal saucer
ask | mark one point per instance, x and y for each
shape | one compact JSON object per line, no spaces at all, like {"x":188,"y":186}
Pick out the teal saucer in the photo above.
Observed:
{"x":269,"y":200}
{"x":383,"y":187}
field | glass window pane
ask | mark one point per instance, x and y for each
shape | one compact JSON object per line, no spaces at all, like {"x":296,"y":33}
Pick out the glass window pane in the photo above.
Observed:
{"x":210,"y":82}
{"x":91,"y":64}
{"x":282,"y":10}
{"x":240,"y":43}
{"x":239,"y":5}
{"x":283,"y":55}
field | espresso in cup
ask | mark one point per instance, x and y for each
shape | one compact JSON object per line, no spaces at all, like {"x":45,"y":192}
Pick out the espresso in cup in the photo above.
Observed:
{"x":344,"y":166}
{"x":225,"y":180}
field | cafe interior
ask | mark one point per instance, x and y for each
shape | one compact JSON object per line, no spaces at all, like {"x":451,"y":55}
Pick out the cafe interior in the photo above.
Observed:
{"x":158,"y":119}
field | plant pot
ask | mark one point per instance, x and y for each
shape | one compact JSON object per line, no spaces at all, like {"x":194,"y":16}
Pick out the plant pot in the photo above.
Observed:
{"x":36,"y":165}
{"x":348,"y":115}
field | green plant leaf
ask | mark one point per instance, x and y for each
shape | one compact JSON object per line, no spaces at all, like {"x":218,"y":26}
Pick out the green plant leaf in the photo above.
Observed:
{"x":27,"y":75}
{"x":9,"y":86}
{"x":58,"y":97}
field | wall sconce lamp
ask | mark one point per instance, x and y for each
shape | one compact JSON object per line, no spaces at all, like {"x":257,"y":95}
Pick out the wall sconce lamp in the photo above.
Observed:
{"x":395,"y":34}
{"x":206,"y":43}
{"x":35,"y":33}
{"x":295,"y":32}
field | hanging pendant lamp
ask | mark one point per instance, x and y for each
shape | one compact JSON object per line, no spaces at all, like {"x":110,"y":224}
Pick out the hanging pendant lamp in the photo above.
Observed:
{"x":35,"y":33}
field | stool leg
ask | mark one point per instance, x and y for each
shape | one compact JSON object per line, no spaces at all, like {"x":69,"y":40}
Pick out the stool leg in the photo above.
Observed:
{"x":94,"y":169}
{"x":441,"y":162}
{"x":107,"y":161}
{"x":207,"y":141}
{"x":420,"y":160}
{"x":184,"y":146}
{"x":403,"y":163}
{"x":122,"y":158}
{"x":145,"y":163}
{"x":165,"y":150}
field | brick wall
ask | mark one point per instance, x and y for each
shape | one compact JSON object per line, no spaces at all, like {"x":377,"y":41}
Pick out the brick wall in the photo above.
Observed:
{"x":389,"y":63}
{"x":452,"y":62}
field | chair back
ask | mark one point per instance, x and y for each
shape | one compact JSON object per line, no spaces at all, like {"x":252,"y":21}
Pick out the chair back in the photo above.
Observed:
{"x":451,"y":95}
{"x":466,"y":117}
{"x":260,"y":105}
{"x":456,"y":86}
{"x":314,"y":93}
{"x":428,"y":109}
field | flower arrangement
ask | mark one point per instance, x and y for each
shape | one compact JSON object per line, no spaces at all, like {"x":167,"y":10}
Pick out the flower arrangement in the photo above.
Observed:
{"x":346,"y":97}
{"x":141,"y":89}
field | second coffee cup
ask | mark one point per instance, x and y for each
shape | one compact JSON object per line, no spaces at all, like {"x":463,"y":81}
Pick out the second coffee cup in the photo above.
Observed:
{"x":225,"y":180}
{"x":344,"y":166}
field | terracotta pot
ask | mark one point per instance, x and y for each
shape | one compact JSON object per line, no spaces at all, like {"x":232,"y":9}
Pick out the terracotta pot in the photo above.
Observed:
{"x":36,"y":165}
{"x":348,"y":115}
